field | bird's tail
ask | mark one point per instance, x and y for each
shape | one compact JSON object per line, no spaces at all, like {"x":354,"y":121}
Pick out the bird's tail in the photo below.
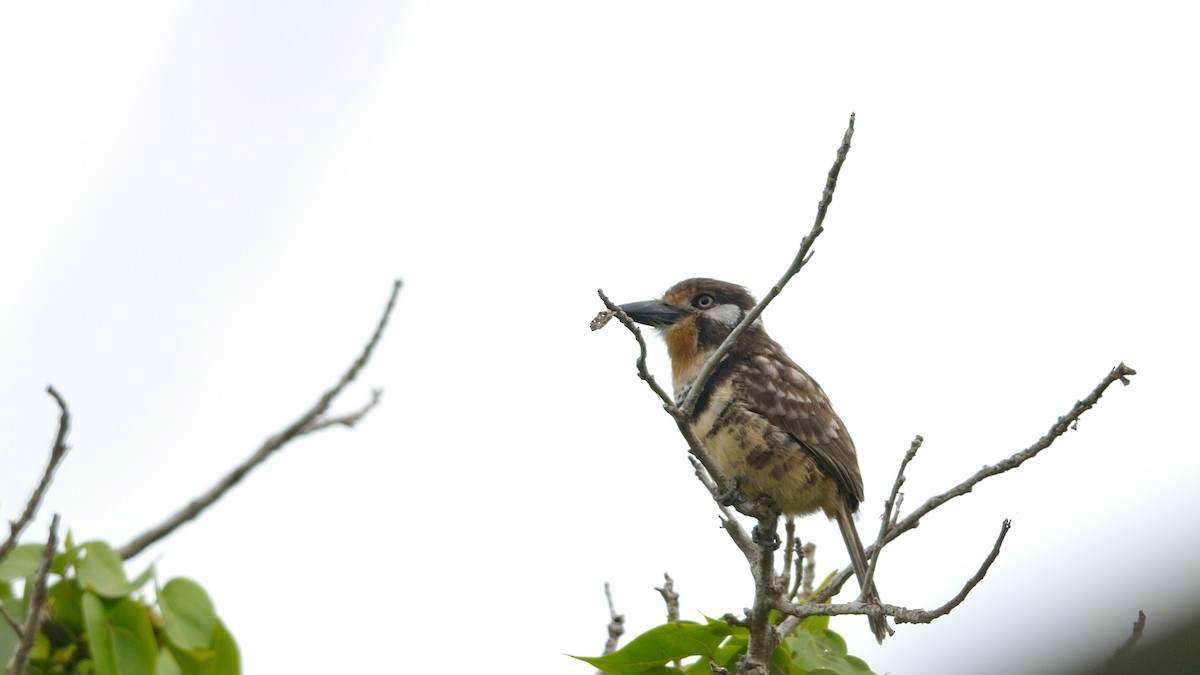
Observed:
{"x":858,"y":560}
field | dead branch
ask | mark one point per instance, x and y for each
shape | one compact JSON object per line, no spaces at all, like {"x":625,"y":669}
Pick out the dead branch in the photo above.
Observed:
{"x":349,"y":420}
{"x":311,"y":420}
{"x":900,"y":614}
{"x":670,"y":597}
{"x":1120,"y":373}
{"x":57,"y":452}
{"x":800,"y":260}
{"x":616,"y":624}
{"x":888,"y":508}
{"x":35,"y":604}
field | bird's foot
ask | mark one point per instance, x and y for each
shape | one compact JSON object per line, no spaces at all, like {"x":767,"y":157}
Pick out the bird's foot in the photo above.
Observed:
{"x":733,"y":495}
{"x":767,"y":538}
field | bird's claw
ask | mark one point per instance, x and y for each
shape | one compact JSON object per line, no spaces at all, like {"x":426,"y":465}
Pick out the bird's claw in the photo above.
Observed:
{"x":768,"y":539}
{"x":733,"y":495}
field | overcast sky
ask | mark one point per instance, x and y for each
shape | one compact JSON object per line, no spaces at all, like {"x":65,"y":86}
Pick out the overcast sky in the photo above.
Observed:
{"x":202,"y":208}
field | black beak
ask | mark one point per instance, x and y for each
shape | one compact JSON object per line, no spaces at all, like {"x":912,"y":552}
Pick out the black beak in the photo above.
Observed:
{"x":652,"y":313}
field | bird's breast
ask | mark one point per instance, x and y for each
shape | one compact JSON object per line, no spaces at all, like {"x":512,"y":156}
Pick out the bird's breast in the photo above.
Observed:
{"x":762,"y":458}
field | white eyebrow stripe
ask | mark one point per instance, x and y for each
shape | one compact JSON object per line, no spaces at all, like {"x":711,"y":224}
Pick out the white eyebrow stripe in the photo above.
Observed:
{"x":728,"y":314}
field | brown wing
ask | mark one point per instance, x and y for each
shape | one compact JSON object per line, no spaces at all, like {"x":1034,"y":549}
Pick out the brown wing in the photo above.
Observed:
{"x":782,"y":392}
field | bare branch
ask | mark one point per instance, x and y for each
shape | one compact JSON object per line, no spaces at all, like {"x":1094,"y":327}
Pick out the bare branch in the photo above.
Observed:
{"x":349,"y":419}
{"x":922,"y":616}
{"x":642,"y":370}
{"x":729,"y":522}
{"x":308,"y":422}
{"x":57,"y":453}
{"x":791,"y":552}
{"x":900,"y":614}
{"x":810,"y":570}
{"x":35,"y":604}
{"x":667,"y":591}
{"x":1139,"y":627}
{"x":888,"y":508}
{"x":1120,"y":372}
{"x":8,"y":619}
{"x":616,"y":624}
{"x":763,"y":638}
{"x":718,"y":483}
{"x":801,"y":259}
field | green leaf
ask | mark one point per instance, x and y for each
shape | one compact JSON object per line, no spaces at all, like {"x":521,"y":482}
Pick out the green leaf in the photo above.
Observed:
{"x":66,"y":557}
{"x":120,"y":637}
{"x":64,"y":599}
{"x":188,"y":613}
{"x":816,"y":623}
{"x":219,"y":657}
{"x":823,"y":651}
{"x":229,"y":658}
{"x":660,"y":645}
{"x":166,"y":663}
{"x":727,"y":655}
{"x":100,"y":569}
{"x":23,"y":561}
{"x":193,"y":661}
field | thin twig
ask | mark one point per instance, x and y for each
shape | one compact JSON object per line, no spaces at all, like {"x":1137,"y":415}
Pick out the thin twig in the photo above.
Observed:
{"x":1060,"y":427}
{"x":886,"y":521}
{"x":900,"y":614}
{"x":718,"y":481}
{"x":300,"y":427}
{"x":791,"y":552}
{"x":810,"y":570}
{"x":670,"y":597}
{"x":642,"y":370}
{"x":801,"y":259}
{"x":896,"y":509}
{"x":57,"y":453}
{"x":922,"y":616}
{"x":349,"y":420}
{"x":1120,"y":373}
{"x":616,"y":624}
{"x":8,"y":619}
{"x":35,"y":605}
{"x":729,"y":522}
{"x":1139,"y":627}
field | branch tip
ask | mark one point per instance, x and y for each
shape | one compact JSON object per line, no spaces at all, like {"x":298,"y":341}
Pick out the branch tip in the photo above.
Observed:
{"x":309,"y":421}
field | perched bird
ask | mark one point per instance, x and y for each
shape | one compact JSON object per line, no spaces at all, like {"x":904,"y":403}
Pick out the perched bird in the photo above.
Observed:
{"x":767,"y":425}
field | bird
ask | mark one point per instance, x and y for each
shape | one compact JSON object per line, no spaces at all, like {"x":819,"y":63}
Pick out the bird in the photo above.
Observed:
{"x":767,"y":424}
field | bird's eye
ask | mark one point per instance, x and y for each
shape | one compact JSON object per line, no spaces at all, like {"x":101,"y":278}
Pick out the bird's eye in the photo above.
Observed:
{"x":703,"y":301}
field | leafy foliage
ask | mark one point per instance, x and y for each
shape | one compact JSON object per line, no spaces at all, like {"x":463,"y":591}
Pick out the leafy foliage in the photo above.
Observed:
{"x":97,"y":621}
{"x":813,"y":649}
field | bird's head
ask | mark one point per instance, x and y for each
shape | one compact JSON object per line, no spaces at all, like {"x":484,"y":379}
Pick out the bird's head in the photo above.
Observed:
{"x":694,"y":317}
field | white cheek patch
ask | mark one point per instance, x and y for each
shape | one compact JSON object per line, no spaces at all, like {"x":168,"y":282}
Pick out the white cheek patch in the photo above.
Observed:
{"x":729,"y":315}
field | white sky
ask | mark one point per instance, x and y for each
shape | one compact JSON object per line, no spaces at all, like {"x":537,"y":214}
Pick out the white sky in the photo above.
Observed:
{"x":202,"y":208}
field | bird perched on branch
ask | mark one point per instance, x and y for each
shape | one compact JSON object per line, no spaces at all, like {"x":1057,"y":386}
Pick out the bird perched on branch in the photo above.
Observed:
{"x":767,"y":425}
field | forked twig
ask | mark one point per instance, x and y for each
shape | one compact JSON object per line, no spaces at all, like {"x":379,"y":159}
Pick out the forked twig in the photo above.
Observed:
{"x":308,"y":422}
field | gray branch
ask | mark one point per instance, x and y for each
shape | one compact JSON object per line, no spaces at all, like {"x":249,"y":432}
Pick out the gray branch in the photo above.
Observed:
{"x":35,"y":610}
{"x":57,"y":452}
{"x":312,"y":420}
